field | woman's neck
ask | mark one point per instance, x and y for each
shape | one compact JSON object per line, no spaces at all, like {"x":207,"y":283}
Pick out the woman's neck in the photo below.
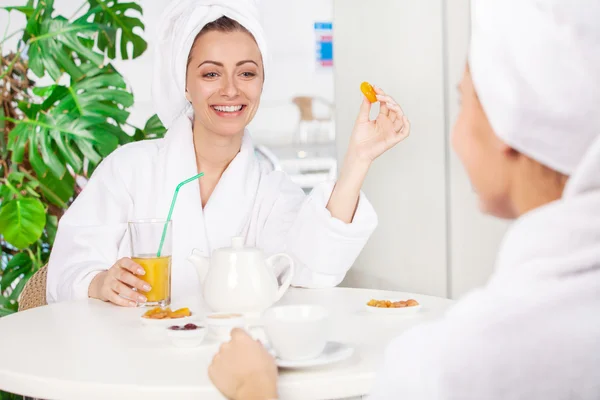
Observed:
{"x":536,"y":185}
{"x":214,"y":152}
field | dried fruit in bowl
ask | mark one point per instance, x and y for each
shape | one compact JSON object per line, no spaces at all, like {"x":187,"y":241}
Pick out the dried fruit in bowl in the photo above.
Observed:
{"x":182,"y":312}
{"x":166,"y":313}
{"x":390,"y":304}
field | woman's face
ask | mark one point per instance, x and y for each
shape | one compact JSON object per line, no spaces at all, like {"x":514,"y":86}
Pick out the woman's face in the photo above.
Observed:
{"x":487,"y":160}
{"x":224,"y":81}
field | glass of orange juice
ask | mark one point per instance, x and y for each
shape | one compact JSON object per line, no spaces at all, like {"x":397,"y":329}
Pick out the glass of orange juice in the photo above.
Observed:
{"x":145,"y":237}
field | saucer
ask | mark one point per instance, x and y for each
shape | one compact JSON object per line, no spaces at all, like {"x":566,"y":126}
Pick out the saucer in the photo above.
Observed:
{"x":334,"y":352}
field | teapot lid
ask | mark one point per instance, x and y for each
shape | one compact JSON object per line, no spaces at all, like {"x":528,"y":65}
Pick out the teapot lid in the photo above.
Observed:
{"x":237,"y":246}
{"x":237,"y":242}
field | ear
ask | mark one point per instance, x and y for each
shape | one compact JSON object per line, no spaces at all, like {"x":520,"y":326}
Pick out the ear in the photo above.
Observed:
{"x":187,"y":96}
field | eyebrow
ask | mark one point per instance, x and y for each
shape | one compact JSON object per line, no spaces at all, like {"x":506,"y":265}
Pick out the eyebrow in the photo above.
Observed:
{"x":220,"y":64}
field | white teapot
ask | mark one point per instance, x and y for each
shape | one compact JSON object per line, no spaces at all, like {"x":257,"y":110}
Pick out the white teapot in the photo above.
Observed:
{"x":239,"y":279}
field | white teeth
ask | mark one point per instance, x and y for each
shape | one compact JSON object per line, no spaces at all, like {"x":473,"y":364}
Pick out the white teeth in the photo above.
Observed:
{"x":227,"y":108}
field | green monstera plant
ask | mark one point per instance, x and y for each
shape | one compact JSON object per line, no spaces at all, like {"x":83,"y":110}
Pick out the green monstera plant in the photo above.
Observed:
{"x":54,"y":135}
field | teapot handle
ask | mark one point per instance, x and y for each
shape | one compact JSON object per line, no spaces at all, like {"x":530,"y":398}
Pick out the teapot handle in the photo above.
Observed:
{"x":288,"y":280}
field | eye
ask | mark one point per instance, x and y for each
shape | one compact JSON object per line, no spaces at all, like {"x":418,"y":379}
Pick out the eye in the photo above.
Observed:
{"x":248,"y":74}
{"x":210,"y":75}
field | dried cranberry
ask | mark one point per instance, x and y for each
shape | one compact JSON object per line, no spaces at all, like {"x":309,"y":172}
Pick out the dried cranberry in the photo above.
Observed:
{"x":189,"y":327}
{"x":175,"y":328}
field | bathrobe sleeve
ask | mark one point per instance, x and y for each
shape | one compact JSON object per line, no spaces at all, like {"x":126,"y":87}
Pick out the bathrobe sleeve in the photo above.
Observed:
{"x":89,"y":233}
{"x":324,"y":248}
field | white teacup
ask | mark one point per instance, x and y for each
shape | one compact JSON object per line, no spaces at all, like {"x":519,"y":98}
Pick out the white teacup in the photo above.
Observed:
{"x":297,"y":332}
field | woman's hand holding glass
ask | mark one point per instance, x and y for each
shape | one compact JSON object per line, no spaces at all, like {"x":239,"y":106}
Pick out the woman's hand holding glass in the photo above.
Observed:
{"x":117,"y":284}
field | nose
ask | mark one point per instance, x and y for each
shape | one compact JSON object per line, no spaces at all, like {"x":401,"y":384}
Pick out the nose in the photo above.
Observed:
{"x":229,"y":88}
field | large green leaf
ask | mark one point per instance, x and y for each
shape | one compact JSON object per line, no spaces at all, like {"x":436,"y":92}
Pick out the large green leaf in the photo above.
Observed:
{"x":98,"y":96}
{"x":110,"y":15}
{"x":17,"y":140}
{"x":51,"y":228}
{"x":58,"y":191}
{"x":16,"y":292}
{"x":52,"y":44}
{"x":17,"y":266}
{"x":62,"y":139}
{"x":152,"y":130}
{"x":74,"y":119}
{"x":22,"y":221}
{"x":7,"y":309}
{"x":28,"y":11}
{"x":42,"y":10}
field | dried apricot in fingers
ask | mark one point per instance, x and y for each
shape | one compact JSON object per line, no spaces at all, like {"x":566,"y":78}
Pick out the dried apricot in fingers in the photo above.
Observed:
{"x":368,"y":91}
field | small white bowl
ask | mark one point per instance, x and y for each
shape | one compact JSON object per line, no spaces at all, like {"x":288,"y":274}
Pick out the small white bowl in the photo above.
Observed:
{"x":187,"y":338}
{"x":221,"y":324}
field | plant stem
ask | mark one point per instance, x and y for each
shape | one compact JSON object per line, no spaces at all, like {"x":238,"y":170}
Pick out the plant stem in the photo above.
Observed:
{"x":31,"y":255}
{"x":5,"y":32}
{"x":12,"y":64}
{"x":11,"y":35}
{"x":79,"y":9}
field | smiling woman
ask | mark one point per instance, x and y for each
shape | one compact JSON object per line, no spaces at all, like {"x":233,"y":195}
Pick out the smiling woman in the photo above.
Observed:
{"x":210,"y":67}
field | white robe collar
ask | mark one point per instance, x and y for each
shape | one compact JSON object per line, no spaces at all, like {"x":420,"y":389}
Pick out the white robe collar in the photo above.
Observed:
{"x":229,"y":208}
{"x":562,"y":237}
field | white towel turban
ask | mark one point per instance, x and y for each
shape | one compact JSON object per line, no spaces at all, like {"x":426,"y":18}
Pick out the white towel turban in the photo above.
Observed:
{"x":180,"y":23}
{"x":535,"y":66}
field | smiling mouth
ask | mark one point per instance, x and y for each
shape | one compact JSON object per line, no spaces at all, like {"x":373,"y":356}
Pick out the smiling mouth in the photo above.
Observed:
{"x":229,"y":109}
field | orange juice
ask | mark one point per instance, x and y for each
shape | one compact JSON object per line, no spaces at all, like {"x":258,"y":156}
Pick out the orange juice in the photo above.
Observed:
{"x":158,"y":276}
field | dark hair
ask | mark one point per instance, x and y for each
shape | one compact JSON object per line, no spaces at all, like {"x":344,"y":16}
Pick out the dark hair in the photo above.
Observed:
{"x":223,"y":24}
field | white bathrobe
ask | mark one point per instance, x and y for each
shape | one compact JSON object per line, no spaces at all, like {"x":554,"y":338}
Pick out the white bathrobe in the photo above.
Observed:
{"x":137,"y":181}
{"x":533,"y":332}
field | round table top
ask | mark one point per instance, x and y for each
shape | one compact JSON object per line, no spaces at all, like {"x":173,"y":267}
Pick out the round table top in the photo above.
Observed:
{"x":94,"y":350}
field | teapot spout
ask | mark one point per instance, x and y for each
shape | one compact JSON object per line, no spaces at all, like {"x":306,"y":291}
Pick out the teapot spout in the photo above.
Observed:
{"x":201,"y":263}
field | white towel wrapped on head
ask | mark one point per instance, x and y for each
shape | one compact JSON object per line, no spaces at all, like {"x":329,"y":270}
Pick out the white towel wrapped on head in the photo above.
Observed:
{"x":182,"y":20}
{"x":534,"y":65}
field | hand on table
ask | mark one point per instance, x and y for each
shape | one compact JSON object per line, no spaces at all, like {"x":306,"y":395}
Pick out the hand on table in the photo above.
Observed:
{"x":243,"y":369}
{"x":116,"y":285}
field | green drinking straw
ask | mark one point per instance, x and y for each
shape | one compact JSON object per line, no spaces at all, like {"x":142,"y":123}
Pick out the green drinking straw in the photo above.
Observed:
{"x":164,"y":233}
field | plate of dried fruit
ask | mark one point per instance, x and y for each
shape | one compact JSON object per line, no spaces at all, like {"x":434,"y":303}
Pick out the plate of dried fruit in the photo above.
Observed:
{"x":165,"y":317}
{"x":392,"y":307}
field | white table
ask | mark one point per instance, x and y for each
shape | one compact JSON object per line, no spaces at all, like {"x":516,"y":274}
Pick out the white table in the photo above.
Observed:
{"x":93,"y":350}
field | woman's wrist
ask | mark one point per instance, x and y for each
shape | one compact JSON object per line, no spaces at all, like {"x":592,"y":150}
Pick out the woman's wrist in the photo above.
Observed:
{"x":354,"y":171}
{"x":95,"y":285}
